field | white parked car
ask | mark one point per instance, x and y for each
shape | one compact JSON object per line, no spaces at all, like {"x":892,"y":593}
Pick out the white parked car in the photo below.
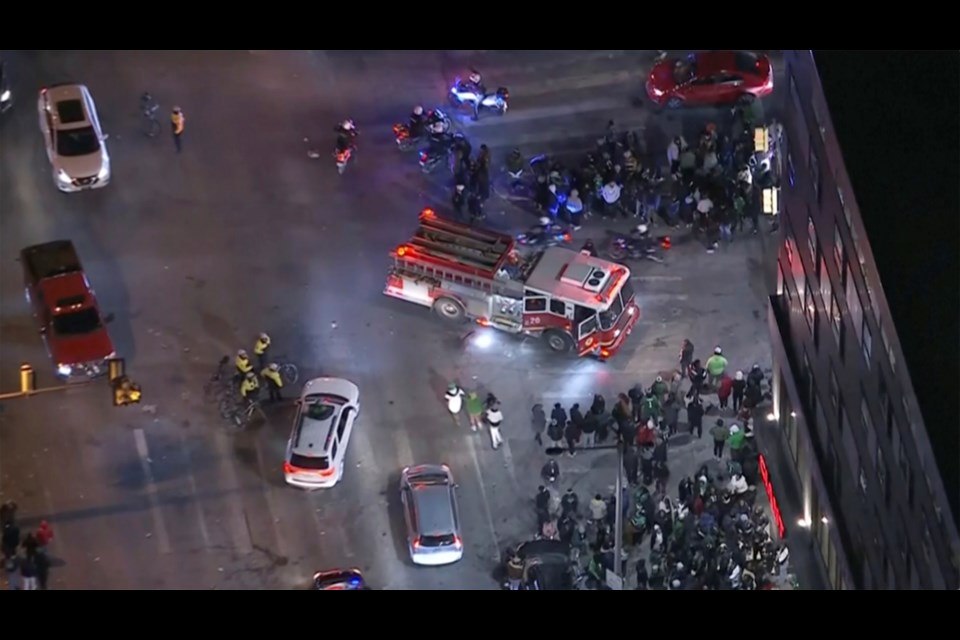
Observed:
{"x":75,"y":142}
{"x":429,"y":496}
{"x":321,"y":432}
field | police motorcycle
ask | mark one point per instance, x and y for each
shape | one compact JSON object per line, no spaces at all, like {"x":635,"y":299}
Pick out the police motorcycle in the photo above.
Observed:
{"x":439,"y":147}
{"x":346,"y":144}
{"x":421,"y":125}
{"x":546,"y":234}
{"x":639,"y":245}
{"x":473,"y":92}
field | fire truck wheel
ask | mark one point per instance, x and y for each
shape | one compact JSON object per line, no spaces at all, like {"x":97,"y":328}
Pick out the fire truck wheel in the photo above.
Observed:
{"x":559,"y":341}
{"x":449,"y":309}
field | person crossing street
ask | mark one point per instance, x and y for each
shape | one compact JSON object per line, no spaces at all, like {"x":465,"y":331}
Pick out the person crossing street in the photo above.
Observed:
{"x":177,"y":123}
{"x":494,"y":419}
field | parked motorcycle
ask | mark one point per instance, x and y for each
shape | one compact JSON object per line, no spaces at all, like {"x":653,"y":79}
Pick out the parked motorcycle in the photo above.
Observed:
{"x":437,"y":123}
{"x":464,"y":93}
{"x":554,"y":235}
{"x":627,"y":248}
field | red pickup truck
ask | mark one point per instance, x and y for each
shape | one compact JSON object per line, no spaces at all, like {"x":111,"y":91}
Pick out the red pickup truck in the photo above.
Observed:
{"x":66,"y":310}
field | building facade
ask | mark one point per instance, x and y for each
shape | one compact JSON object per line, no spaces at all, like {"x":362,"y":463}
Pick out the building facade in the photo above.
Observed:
{"x":844,"y":404}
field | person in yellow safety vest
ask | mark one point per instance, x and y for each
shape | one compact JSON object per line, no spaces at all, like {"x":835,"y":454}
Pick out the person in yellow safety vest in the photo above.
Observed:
{"x":243,"y":364}
{"x":260,"y":349}
{"x":177,"y":122}
{"x":250,"y":387}
{"x":274,"y":382}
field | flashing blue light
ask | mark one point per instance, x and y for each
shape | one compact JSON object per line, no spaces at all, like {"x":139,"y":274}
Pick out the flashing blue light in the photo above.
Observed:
{"x":355,"y":581}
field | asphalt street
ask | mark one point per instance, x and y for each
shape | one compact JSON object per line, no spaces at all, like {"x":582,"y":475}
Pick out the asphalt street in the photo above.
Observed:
{"x":196,"y":253}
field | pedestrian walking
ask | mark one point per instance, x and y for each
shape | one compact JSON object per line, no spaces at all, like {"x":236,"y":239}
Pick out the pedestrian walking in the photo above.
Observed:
{"x":569,"y":504}
{"x":542,"y":505}
{"x":28,"y":573}
{"x":494,"y":420}
{"x":8,"y":513}
{"x":695,"y":416}
{"x":724,"y":390}
{"x":572,"y":435}
{"x":10,"y":539}
{"x":686,"y":355}
{"x":454,"y":397}
{"x":631,"y":464}
{"x":538,"y":422}
{"x":739,"y":386}
{"x":42,"y":560}
{"x":177,"y":123}
{"x":557,"y":426}
{"x":11,"y":565}
{"x":676,"y":382}
{"x":30,"y":544}
{"x":671,"y":414}
{"x":598,"y":509}
{"x":720,"y":434}
{"x":44,"y":535}
{"x":716,"y":365}
{"x":474,"y":411}
{"x":589,"y":429}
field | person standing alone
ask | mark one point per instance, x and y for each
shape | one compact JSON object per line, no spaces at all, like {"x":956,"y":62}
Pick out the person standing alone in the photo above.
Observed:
{"x":177,"y":122}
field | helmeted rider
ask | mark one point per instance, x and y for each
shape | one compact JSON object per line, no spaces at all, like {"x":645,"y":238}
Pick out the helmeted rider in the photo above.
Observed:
{"x":418,"y":122}
{"x":148,"y":106}
{"x":436,"y":123}
{"x":346,"y":132}
{"x":475,"y":83}
{"x":641,"y":236}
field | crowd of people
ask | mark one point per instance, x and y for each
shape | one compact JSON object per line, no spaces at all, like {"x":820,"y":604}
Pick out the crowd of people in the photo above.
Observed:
{"x":708,"y":534}
{"x":25,"y":560}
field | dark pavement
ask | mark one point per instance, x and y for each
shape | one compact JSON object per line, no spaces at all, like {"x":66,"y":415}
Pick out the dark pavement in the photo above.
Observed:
{"x":241,"y":233}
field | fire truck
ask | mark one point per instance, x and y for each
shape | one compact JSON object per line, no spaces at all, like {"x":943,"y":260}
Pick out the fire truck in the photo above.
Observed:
{"x":575,"y":302}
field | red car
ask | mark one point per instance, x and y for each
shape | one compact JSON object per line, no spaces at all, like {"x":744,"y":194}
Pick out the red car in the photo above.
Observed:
{"x":710,"y":77}
{"x":66,"y":310}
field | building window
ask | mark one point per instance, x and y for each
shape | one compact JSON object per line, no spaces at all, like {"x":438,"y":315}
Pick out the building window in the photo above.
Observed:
{"x":807,"y":376}
{"x":779,"y":279}
{"x":838,"y":252}
{"x":881,"y":466}
{"x":844,"y":420}
{"x":902,"y":459}
{"x":887,"y":348}
{"x":927,"y":541}
{"x":864,"y":485}
{"x":836,"y":320}
{"x":816,"y":331}
{"x":885,"y":405}
{"x":812,"y":240}
{"x":791,"y":170}
{"x":846,"y":210}
{"x":826,"y":287}
{"x":834,"y":389}
{"x":815,"y":172}
{"x":866,"y":341}
{"x":865,"y":419}
{"x":911,"y":488}
{"x":809,"y":305}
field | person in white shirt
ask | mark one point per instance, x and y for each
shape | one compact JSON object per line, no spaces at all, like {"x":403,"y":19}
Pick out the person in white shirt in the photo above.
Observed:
{"x":454,"y":398}
{"x":674,"y":149}
{"x":494,"y":420}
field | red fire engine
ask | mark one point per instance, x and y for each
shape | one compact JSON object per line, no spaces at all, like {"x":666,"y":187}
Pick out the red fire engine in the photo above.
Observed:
{"x":574,"y":301}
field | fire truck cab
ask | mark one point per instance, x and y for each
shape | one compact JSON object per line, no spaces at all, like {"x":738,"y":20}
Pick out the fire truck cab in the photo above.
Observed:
{"x":575,"y":302}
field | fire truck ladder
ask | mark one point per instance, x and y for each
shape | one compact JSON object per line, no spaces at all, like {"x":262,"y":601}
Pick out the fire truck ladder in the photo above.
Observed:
{"x":475,"y":251}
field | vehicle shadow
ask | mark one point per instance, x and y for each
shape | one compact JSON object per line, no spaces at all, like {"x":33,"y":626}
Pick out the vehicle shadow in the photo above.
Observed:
{"x":398,"y":530}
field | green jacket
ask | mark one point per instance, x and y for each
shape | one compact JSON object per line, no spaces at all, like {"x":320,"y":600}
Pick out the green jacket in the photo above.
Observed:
{"x":474,"y":405}
{"x":650,"y":408}
{"x":737,"y":439}
{"x":659,"y":389}
{"x":720,"y":433}
{"x":716,"y":365}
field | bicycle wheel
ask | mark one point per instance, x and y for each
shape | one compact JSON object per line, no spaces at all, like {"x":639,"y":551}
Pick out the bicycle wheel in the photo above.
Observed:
{"x":289,"y":373}
{"x":227,"y":408}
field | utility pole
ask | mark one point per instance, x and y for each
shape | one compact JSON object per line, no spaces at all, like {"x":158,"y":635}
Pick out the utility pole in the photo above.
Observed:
{"x":620,"y":446}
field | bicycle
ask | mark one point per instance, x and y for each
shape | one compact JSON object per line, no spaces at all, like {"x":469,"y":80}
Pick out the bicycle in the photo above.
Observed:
{"x":288,"y":372}
{"x":242,"y":414}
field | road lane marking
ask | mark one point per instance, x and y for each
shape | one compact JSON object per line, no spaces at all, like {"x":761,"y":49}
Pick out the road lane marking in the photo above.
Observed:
{"x":240,"y":529}
{"x":159,"y":526}
{"x":483,"y":498}
{"x":192,"y":479}
{"x":401,"y":445}
{"x":272,"y":508}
